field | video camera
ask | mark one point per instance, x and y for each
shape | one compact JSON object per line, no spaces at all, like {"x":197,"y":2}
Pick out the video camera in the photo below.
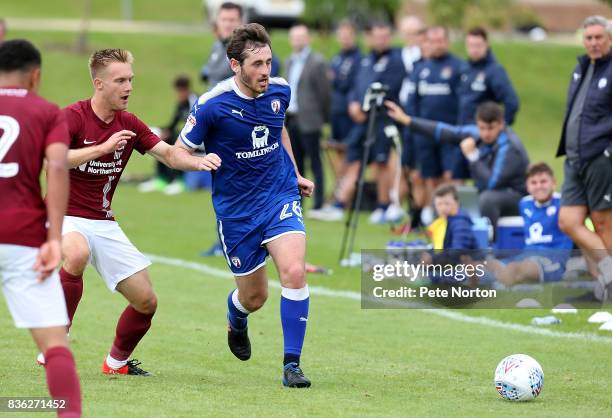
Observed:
{"x":375,"y":95}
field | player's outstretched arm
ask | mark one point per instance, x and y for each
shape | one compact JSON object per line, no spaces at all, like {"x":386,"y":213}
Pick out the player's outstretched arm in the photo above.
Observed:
{"x":50,"y":253}
{"x":118,"y":140}
{"x":179,"y":157}
{"x":396,"y":113}
{"x":306,"y":186}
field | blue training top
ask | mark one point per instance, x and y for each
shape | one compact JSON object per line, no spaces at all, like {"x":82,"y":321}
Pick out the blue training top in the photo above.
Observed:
{"x":256,"y":171}
{"x":542,"y":224}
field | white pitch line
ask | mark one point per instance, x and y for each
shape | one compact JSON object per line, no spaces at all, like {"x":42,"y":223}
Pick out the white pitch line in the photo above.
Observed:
{"x":348,"y":294}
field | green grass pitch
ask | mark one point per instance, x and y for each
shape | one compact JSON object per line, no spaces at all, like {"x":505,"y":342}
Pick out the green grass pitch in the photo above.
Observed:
{"x":362,"y":363}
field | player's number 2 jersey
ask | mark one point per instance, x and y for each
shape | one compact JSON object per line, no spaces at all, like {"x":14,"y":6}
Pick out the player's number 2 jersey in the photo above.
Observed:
{"x":28,"y":125}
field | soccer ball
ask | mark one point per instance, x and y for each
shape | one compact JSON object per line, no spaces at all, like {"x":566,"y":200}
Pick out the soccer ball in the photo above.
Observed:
{"x":519,"y":377}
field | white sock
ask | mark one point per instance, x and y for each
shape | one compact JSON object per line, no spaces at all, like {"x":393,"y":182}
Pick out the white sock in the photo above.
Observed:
{"x":115,"y":364}
{"x":237,"y":303}
{"x":605,"y":267}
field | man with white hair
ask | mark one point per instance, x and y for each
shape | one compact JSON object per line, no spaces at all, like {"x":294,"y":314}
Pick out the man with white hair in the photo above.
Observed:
{"x":586,"y":141}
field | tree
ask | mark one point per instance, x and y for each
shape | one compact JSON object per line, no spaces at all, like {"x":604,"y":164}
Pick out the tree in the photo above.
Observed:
{"x":460,"y":14}
{"x":324,"y":13}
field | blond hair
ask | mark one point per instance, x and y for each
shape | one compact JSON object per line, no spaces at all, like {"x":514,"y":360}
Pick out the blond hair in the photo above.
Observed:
{"x":102,"y":58}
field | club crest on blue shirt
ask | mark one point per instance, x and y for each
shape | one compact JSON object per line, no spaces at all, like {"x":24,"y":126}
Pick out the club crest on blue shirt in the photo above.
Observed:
{"x":603,"y":82}
{"x":276,"y":105}
{"x":236,"y":262}
{"x":191,"y":122}
{"x":446,"y":73}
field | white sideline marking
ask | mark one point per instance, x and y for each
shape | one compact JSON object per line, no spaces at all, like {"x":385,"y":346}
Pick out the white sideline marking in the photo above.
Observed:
{"x":348,"y":294}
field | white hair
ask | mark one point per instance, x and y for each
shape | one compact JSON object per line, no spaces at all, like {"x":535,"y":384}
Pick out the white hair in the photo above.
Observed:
{"x":597,"y":20}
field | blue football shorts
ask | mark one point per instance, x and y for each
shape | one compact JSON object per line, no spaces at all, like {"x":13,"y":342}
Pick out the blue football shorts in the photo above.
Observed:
{"x":244,"y":240}
{"x":551,"y":264}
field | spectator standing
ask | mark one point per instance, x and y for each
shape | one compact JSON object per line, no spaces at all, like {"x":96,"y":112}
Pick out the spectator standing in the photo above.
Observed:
{"x":217,"y":68}
{"x":308,"y":109}
{"x":485,"y":80}
{"x":343,"y":70}
{"x":414,"y":54}
{"x":436,"y":97}
{"x":586,"y":141}
{"x":383,"y":64}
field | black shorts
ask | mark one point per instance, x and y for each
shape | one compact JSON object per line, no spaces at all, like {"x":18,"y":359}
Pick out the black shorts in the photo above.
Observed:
{"x":589,"y":185}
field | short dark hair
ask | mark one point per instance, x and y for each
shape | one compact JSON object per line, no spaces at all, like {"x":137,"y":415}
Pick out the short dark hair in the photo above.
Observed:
{"x":439,"y":27}
{"x":479,"y":31}
{"x":489,"y":112}
{"x":18,"y":55}
{"x":182,"y":82}
{"x":228,"y":5}
{"x":247,"y":37}
{"x":446,"y":189}
{"x":380,"y":24}
{"x":539,"y":168}
{"x":347,"y":23}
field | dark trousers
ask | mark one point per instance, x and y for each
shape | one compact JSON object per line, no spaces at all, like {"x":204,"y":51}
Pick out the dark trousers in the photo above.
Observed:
{"x":496,"y":203}
{"x":307,"y":145}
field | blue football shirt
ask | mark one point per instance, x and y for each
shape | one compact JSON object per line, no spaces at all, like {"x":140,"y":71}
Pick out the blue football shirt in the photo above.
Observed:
{"x":542,"y":224}
{"x":256,"y":171}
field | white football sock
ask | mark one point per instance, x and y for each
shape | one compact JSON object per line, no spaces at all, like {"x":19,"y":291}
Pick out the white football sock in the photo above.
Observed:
{"x":605,"y":267}
{"x":115,"y":364}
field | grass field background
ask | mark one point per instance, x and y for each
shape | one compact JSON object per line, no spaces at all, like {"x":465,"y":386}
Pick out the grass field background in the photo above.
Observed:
{"x":153,"y":10}
{"x":362,"y":363}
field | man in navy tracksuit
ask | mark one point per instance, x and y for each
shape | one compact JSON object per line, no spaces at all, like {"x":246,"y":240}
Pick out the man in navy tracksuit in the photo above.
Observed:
{"x":498,"y":160}
{"x":586,"y":141}
{"x":384,"y":65}
{"x":344,"y":68}
{"x":436,"y":97}
{"x":484,"y":81}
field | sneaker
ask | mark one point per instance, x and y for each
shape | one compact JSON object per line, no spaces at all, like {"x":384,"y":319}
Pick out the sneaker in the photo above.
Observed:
{"x":602,"y":291}
{"x":377,"y":217}
{"x":40,"y":359}
{"x":293,"y":377}
{"x":215,"y":251}
{"x":131,"y":368}
{"x":154,"y":185}
{"x":238,"y":342}
{"x":394,"y":214}
{"x":176,"y":187}
{"x":427,"y":215}
{"x":328,"y":214}
{"x":314,"y":213}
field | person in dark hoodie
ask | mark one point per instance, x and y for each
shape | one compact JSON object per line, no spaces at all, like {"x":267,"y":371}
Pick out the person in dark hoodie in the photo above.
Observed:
{"x":484,"y":81}
{"x":498,"y":160}
{"x":586,"y":141}
{"x":453,"y":227}
{"x":452,"y":230}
